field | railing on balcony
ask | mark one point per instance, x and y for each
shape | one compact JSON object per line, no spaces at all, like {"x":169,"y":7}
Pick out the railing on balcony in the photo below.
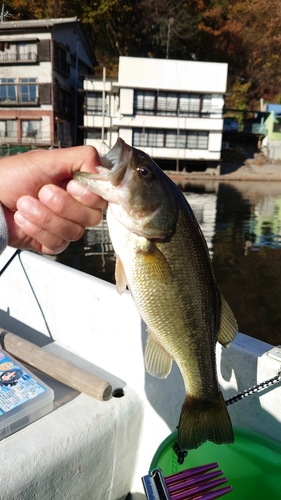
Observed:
{"x":63,"y":141}
{"x":14,"y":57}
{"x":35,"y":139}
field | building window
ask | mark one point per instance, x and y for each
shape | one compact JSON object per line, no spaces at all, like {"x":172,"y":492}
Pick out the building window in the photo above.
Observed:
{"x":60,"y":59}
{"x":171,"y":139}
{"x":63,"y":64}
{"x":18,"y":51}
{"x":27,"y":51}
{"x":8,"y":130}
{"x":173,"y":104}
{"x":7,"y":90}
{"x":167,"y":104}
{"x":94,"y":103}
{"x":31,"y":130}
{"x":23,"y":90}
{"x":206,"y":105}
{"x":153,"y":138}
{"x":82,"y":70}
{"x":65,"y":102}
{"x":144,"y":102}
{"x":189,"y":104}
{"x":197,"y":140}
{"x":27,"y":90}
{"x":96,"y":133}
{"x":182,"y":139}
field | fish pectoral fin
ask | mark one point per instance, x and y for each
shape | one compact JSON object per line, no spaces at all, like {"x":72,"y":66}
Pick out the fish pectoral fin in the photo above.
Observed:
{"x":154,"y":262}
{"x":121,"y":281}
{"x":157,"y":361}
{"x":228,"y":324}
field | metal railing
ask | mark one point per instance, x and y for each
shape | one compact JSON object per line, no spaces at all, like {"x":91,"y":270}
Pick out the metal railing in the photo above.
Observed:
{"x":15,"y":57}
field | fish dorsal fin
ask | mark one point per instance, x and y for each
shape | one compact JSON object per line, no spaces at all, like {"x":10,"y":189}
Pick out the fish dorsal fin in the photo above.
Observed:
{"x":121,"y":281}
{"x":158,"y":362}
{"x":228,"y":325}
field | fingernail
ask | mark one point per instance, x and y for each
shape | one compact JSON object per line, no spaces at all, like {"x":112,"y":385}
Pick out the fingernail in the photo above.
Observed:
{"x":26,"y":205}
{"x":75,"y":189}
{"x":20,"y":219}
{"x":46,"y":193}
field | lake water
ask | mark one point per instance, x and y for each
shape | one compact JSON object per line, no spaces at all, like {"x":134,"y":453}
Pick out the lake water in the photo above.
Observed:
{"x":241,"y":222}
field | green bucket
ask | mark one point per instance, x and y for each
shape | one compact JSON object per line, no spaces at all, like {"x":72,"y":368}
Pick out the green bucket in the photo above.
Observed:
{"x":252,"y":463}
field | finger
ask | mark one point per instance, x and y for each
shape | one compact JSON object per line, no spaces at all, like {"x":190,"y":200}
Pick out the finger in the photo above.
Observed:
{"x":63,"y":204}
{"x":85,"y":196}
{"x":42,"y":240}
{"x":43,"y":218}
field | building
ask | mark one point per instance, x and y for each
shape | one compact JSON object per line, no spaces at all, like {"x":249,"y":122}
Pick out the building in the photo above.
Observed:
{"x":173,"y":110}
{"x":271,"y":144}
{"x":42,"y":66}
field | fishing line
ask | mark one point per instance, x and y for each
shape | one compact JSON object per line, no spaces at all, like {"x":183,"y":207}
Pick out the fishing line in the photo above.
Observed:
{"x":17,"y":252}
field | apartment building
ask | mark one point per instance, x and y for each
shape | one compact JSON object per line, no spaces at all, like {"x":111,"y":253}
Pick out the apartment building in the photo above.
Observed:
{"x":42,"y":66}
{"x":173,"y":110}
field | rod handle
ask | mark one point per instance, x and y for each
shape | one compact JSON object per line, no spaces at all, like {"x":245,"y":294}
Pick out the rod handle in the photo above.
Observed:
{"x":66,"y":372}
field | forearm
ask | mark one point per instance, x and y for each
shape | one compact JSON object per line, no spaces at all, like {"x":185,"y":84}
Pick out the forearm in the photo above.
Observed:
{"x":3,"y":231}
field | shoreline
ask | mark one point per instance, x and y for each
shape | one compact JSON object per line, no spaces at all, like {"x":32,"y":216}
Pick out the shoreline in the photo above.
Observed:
{"x":251,"y":171}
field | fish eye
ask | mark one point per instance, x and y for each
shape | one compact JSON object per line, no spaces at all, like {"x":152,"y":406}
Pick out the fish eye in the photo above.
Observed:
{"x":145,"y":173}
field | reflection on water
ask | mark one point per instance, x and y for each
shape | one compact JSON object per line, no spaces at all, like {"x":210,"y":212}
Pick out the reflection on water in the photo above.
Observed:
{"x":241,"y":222}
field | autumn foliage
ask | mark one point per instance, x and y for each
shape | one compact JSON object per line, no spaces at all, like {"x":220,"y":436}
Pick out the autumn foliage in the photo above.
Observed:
{"x":244,"y":33}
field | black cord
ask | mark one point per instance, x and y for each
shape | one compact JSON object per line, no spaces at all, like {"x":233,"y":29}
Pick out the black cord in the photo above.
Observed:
{"x":255,"y":388}
{"x":17,"y":252}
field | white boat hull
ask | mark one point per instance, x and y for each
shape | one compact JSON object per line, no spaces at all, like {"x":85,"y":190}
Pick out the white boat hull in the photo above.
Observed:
{"x":91,"y":449}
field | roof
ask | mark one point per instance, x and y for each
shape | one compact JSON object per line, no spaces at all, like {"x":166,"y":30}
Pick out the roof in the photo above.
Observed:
{"x":15,"y":28}
{"x":34,"y":23}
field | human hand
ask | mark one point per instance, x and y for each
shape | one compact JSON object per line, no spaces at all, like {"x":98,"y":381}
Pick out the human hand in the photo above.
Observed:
{"x":45,"y":210}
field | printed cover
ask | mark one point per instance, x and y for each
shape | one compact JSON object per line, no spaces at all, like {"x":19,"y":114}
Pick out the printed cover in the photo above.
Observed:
{"x":16,"y":386}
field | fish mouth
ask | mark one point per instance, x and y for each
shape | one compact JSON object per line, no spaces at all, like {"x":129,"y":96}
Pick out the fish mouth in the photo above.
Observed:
{"x":112,"y":169}
{"x":116,"y":161}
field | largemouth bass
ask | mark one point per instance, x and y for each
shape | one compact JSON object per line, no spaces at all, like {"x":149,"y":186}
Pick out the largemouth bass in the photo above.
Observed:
{"x":162,"y":256}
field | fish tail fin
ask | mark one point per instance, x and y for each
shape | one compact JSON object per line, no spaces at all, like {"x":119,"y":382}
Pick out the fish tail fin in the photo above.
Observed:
{"x":203,"y":420}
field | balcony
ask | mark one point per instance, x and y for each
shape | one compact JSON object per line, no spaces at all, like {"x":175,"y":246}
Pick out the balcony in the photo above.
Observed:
{"x":12,"y":58}
{"x":8,"y":139}
{"x":63,"y":141}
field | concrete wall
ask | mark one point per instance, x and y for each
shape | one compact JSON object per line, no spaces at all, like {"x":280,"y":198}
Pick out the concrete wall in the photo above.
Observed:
{"x":168,"y":74}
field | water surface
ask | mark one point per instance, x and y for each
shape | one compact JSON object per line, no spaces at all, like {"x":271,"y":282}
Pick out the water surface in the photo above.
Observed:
{"x":241,"y":222}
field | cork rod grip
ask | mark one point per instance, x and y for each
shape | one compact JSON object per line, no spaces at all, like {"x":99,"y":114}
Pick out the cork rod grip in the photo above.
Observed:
{"x":64,"y":371}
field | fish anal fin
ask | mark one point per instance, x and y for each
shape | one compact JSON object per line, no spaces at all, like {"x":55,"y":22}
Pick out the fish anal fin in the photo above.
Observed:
{"x":158,"y":362}
{"x":228,"y":324}
{"x":202,"y":420}
{"x":121,"y":281}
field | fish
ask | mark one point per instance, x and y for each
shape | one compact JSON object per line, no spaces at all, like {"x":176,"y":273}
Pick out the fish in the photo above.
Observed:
{"x":163,"y":258}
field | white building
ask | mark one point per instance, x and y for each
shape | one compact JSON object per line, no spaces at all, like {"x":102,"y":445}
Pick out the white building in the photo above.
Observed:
{"x":42,"y":66}
{"x":173,"y":110}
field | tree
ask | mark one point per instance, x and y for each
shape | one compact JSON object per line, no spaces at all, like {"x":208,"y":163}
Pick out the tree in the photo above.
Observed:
{"x":246,"y":34}
{"x":171,"y":27}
